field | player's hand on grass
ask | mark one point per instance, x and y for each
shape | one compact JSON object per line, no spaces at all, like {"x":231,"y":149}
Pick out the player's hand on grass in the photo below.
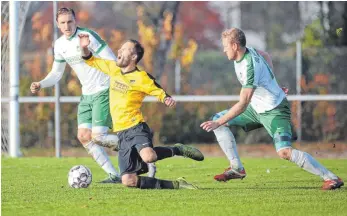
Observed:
{"x":210,"y":125}
{"x":35,"y":87}
{"x":286,"y":90}
{"x":170,"y":102}
{"x":84,"y":40}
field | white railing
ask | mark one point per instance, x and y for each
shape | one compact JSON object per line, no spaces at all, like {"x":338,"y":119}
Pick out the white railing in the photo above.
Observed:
{"x":184,"y":98}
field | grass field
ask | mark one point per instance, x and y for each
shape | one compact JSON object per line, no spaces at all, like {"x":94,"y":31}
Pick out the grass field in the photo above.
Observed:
{"x":38,"y":186}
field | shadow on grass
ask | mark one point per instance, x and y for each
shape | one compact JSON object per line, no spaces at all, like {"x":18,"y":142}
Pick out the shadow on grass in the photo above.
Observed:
{"x":264,"y":188}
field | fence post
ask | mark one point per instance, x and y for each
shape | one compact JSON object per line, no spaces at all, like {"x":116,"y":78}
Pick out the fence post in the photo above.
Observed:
{"x":298,"y":87}
{"x":14,"y":80}
{"x":57,"y":93}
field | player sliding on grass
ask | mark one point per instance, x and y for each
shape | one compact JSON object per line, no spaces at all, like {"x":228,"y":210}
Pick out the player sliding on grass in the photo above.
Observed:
{"x":93,"y":115}
{"x":129,"y":86}
{"x":262,"y":104}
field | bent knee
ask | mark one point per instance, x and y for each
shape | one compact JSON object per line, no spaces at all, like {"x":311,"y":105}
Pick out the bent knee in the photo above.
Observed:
{"x":150,"y":158}
{"x":129,"y":180}
{"x":148,"y":155}
{"x":285,"y":153}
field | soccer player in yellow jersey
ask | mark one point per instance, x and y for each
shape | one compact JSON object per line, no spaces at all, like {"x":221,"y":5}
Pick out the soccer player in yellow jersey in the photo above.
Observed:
{"x":128,"y":87}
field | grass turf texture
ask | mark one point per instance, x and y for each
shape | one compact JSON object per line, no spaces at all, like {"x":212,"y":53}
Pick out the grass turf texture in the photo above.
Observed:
{"x":38,"y":186}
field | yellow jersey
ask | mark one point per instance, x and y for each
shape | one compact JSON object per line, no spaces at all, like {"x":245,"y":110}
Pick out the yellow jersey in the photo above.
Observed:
{"x":127,"y":91}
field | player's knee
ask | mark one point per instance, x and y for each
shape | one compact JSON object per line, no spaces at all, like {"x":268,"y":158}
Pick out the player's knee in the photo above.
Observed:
{"x":150,"y":158}
{"x":84,"y":136}
{"x":285,"y":153}
{"x":283,"y":144}
{"x":148,"y":155}
{"x":129,"y":180}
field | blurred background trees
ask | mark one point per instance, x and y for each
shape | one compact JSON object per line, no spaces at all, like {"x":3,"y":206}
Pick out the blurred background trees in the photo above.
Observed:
{"x":187,"y":34}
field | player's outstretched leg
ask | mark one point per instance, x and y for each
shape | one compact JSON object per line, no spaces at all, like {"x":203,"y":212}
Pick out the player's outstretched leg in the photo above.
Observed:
{"x":308,"y":163}
{"x":226,"y":141}
{"x":112,"y":141}
{"x":143,"y":182}
{"x":180,"y":150}
{"x":99,"y":155}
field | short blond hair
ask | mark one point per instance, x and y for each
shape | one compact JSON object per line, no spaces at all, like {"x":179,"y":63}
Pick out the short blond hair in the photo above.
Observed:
{"x":235,"y":35}
{"x":65,"y":10}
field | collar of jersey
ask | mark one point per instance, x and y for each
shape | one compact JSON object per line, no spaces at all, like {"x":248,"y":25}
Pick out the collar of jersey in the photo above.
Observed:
{"x":243,"y":56}
{"x":73,"y":35}
{"x":136,"y":69}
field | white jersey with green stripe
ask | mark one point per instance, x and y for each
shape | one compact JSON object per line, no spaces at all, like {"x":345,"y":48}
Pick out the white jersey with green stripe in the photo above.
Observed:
{"x":254,"y":72}
{"x":67,"y":50}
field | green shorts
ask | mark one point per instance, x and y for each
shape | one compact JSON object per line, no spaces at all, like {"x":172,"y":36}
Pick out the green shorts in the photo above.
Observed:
{"x":277,"y":122}
{"x":95,"y":109}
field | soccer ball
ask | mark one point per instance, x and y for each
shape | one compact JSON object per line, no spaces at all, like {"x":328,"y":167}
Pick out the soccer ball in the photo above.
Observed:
{"x":80,"y":177}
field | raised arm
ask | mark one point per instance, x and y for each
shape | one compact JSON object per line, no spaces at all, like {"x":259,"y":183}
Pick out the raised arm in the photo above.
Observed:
{"x":99,"y":47}
{"x":103,"y":65}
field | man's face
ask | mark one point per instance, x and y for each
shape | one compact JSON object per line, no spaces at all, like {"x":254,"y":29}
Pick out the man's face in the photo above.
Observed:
{"x":67,"y":24}
{"x":126,"y":55}
{"x":229,"y":48}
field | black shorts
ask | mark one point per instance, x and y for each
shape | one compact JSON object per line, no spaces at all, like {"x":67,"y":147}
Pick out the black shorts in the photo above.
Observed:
{"x":131,"y":142}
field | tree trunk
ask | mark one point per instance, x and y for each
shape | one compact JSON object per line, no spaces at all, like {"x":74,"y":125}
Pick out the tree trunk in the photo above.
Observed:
{"x":165,"y":45}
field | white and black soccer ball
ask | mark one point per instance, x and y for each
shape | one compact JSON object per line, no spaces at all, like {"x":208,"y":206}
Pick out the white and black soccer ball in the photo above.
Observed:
{"x":80,"y":177}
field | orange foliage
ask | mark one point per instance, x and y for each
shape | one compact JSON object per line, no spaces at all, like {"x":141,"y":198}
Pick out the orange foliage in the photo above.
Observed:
{"x":189,"y":53}
{"x":322,"y":79}
{"x":83,"y":16}
{"x":4,"y":29}
{"x":149,"y":41}
{"x":116,"y":39}
{"x":323,"y":109}
{"x":167,"y":28}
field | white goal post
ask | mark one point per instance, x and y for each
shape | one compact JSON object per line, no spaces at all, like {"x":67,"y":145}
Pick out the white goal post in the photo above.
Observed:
{"x":13,"y":14}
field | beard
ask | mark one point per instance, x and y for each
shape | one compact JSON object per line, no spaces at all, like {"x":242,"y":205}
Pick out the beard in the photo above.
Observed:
{"x":123,"y":63}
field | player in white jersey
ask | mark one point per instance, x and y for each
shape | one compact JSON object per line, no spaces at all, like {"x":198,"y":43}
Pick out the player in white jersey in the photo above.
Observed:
{"x":262,"y":104}
{"x":94,"y":118}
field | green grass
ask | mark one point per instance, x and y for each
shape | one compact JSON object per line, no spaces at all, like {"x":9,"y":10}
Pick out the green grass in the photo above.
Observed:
{"x":38,"y":186}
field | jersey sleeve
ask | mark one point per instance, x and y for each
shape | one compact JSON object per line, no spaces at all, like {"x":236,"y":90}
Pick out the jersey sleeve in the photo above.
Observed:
{"x":97,"y":44}
{"x":58,"y":57}
{"x":54,"y":76}
{"x":151,"y":87}
{"x":107,"y":53}
{"x":103,"y":65}
{"x":251,"y":75}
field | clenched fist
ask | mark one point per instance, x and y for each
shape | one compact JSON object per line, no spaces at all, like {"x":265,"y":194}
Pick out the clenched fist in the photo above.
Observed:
{"x":84,"y":40}
{"x":35,"y":87}
{"x":170,"y":102}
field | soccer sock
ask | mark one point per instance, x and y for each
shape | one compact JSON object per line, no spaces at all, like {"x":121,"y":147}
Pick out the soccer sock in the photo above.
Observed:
{"x":152,"y":169}
{"x":165,"y":152}
{"x":227,"y":142}
{"x":308,"y":163}
{"x":101,"y":158}
{"x":144,"y":182}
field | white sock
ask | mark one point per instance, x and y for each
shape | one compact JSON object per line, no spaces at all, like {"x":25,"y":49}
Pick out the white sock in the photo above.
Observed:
{"x":152,"y":169}
{"x":308,"y":163}
{"x":101,"y":158}
{"x":227,"y":142}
